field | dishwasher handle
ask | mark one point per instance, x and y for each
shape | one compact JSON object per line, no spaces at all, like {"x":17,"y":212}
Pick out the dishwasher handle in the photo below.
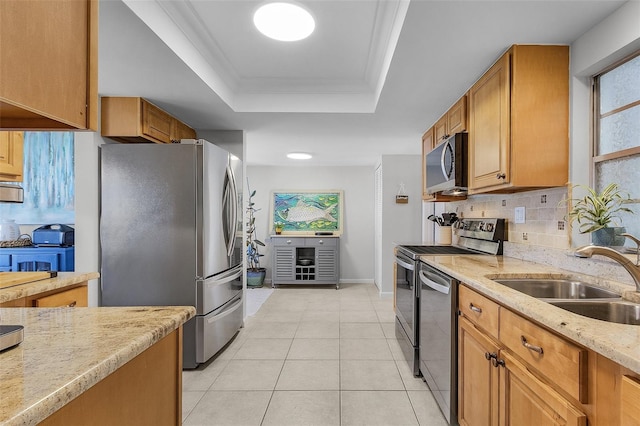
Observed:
{"x":429,"y":280}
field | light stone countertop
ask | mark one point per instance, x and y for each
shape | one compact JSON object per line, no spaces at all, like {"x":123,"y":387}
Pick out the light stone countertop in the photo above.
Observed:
{"x":67,"y":350}
{"x":618,"y":342}
{"x":64,"y":279}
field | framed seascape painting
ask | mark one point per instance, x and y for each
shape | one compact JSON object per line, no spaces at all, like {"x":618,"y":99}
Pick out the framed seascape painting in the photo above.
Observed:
{"x":306,"y":212}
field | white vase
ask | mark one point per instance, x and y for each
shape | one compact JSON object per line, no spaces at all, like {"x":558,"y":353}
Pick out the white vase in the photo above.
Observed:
{"x":9,"y":230}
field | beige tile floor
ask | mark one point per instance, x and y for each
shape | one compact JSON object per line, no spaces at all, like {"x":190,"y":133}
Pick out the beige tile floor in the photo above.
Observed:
{"x":311,"y":356}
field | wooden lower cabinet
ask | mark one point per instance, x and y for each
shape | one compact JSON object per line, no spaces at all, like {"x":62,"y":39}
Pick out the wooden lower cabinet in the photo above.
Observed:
{"x":526,"y":401}
{"x":145,"y":391}
{"x":497,"y":390}
{"x":477,"y":377}
{"x":74,"y":296}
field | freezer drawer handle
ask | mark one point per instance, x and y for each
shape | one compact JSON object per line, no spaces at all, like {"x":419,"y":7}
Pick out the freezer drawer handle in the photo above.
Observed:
{"x":529,"y":346}
{"x":233,"y":274}
{"x":228,"y":311}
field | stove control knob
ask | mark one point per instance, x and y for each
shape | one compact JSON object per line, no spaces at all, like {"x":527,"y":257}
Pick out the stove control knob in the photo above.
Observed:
{"x":489,"y":227}
{"x":481,"y":226}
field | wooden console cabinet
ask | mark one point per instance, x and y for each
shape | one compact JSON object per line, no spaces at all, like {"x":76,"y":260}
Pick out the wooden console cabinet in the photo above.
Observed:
{"x":305,"y":260}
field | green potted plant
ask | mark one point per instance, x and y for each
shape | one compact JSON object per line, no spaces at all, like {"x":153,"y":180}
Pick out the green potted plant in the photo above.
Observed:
{"x":278,"y":226}
{"x":255,"y":274}
{"x":597,"y":213}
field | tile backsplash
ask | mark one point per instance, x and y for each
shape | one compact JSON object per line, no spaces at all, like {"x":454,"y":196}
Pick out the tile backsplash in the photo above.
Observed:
{"x":544,"y":225}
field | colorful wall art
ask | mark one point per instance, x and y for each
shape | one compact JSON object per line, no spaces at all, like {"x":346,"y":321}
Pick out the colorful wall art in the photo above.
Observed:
{"x":307,"y":212}
{"x":49,"y":185}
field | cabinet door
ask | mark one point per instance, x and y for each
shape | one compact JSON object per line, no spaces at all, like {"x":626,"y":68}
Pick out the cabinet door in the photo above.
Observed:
{"x":48,"y":64}
{"x":477,"y":377}
{"x":630,"y":410}
{"x":179,"y":130}
{"x":156,"y":124}
{"x":427,"y":145}
{"x":457,"y":117}
{"x":489,"y":131}
{"x":440,"y":130}
{"x":283,"y":264}
{"x":526,"y":401}
{"x":11,"y":153}
{"x":326,"y":265}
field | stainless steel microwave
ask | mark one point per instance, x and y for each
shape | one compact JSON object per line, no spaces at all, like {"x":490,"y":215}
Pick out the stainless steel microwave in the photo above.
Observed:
{"x":446,"y":166}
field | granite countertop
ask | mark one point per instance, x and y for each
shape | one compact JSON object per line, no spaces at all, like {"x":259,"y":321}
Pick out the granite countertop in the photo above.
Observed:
{"x":618,"y":342}
{"x":67,"y":350}
{"x":64,"y":279}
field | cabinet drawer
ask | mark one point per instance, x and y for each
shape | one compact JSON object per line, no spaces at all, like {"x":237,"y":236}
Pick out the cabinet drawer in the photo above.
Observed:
{"x":72,"y":297}
{"x":295,"y":242}
{"x":5,"y":260}
{"x":562,"y":362}
{"x":321,"y":242}
{"x":630,"y":410}
{"x":479,"y":310}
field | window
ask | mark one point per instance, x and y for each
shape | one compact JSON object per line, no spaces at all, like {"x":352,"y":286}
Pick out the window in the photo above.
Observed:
{"x":616,"y":154}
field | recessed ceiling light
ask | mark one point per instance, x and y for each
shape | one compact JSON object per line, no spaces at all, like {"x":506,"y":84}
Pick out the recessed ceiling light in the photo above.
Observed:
{"x":298,"y":155}
{"x":284,"y":21}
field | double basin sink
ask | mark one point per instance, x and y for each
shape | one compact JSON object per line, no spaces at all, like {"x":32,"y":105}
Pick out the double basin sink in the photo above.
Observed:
{"x":578,"y":297}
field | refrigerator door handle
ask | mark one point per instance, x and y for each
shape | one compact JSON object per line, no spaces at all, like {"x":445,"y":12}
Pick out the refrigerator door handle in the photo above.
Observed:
{"x":234,"y":210}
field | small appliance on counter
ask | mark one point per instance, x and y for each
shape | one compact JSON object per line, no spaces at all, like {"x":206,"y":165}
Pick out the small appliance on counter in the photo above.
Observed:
{"x":56,"y":235}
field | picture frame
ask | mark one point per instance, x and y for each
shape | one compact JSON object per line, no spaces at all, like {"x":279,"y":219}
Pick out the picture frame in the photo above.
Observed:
{"x":306,"y":212}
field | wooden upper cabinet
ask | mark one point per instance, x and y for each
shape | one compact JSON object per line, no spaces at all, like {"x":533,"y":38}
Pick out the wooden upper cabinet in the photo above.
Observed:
{"x":49,"y":65}
{"x":11,"y":154}
{"x":519,"y":121}
{"x":453,"y":121}
{"x":133,"y":119}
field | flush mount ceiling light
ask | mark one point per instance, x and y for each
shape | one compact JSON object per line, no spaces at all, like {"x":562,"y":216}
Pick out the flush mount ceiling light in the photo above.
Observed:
{"x":298,"y":155}
{"x":284,"y":21}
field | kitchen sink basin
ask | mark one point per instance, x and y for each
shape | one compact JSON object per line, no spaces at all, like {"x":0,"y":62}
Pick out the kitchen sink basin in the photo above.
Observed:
{"x":552,"y":288}
{"x":619,"y":311}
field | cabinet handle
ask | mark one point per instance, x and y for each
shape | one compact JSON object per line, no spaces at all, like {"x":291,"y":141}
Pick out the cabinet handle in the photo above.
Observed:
{"x":72,"y":304}
{"x":490,"y":356}
{"x":475,"y":308}
{"x":497,"y":362}
{"x":501,"y":176}
{"x":529,"y":346}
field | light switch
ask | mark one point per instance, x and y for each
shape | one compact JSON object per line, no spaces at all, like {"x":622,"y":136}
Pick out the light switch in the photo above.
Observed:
{"x":519,"y":215}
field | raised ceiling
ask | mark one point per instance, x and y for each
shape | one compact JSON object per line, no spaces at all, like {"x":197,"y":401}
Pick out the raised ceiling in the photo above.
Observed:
{"x":369,"y":81}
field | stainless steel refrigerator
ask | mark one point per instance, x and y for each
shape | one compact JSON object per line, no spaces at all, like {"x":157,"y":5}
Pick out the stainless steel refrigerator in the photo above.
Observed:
{"x":171,"y":234}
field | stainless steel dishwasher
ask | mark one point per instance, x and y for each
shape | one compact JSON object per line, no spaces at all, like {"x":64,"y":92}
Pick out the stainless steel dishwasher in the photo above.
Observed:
{"x":438,"y":337}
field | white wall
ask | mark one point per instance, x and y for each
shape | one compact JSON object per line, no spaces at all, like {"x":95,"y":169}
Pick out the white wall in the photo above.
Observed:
{"x":356,"y":243}
{"x":610,"y":40}
{"x":401,"y":223}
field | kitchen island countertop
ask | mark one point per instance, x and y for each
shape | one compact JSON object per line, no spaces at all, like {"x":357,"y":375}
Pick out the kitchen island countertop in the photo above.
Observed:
{"x":68,"y":350}
{"x":618,"y":342}
{"x":62,"y":280}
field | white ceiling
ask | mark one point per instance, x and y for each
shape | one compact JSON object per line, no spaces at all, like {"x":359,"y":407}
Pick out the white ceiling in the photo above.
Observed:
{"x":369,"y":81}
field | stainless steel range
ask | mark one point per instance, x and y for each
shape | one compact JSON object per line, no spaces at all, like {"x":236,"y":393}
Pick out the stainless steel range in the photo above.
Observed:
{"x":426,"y":307}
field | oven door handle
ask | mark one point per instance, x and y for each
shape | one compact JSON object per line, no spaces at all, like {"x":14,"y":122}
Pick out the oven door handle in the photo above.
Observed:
{"x":426,"y":279}
{"x":404,"y":264}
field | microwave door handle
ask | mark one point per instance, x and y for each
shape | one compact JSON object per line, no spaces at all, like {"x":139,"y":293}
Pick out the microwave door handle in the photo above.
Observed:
{"x":424,"y":278}
{"x":442,"y":161}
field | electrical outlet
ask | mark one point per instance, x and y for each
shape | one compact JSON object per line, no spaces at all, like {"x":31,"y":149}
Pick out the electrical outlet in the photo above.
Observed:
{"x":519,"y":216}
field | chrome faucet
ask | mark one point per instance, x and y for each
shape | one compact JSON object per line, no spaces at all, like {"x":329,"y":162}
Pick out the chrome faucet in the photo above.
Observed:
{"x":632,"y":268}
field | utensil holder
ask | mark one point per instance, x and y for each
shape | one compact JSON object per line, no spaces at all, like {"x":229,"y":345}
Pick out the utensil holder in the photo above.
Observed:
{"x":443,"y":235}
